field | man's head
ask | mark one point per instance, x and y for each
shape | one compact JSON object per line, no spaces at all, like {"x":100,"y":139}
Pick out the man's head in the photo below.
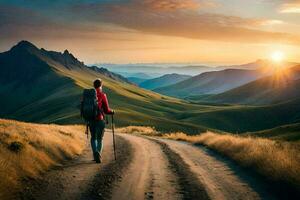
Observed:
{"x":97,"y":83}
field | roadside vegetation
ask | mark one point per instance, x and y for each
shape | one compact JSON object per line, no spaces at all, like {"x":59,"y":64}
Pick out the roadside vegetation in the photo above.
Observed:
{"x":276,"y":160}
{"x":27,"y":150}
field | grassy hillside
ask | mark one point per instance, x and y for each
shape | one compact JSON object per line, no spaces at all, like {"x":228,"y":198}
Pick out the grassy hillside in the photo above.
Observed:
{"x":211,"y":83}
{"x":282,"y":86}
{"x":29,"y":149}
{"x":237,"y":119}
{"x":290,"y":132}
{"x":163,"y":81}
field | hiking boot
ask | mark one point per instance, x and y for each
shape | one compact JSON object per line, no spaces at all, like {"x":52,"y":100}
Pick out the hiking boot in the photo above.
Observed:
{"x":97,"y":157}
{"x":94,"y":157}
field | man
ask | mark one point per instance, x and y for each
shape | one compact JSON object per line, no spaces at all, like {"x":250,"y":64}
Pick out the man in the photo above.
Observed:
{"x":97,"y":126}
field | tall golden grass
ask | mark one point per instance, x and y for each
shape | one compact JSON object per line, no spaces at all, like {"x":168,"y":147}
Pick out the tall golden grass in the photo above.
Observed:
{"x":144,"y":130}
{"x":278,"y":161}
{"x":27,"y":150}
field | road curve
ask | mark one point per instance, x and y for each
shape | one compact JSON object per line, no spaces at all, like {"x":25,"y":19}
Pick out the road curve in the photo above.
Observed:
{"x":147,"y":168}
{"x":221,"y":178}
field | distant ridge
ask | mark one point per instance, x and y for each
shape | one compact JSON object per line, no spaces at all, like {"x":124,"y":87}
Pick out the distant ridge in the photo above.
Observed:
{"x":279,"y":87}
{"x":211,"y":82}
{"x":163,"y":81}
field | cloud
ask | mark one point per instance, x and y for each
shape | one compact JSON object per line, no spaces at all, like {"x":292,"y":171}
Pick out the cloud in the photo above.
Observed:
{"x":117,"y":19}
{"x":290,"y":6}
{"x":18,"y":22}
{"x":175,"y":18}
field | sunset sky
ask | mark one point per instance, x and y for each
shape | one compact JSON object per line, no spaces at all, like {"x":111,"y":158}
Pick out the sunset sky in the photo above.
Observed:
{"x":146,"y":31}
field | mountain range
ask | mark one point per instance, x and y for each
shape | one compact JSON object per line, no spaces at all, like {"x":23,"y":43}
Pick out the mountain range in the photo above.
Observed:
{"x":281,"y":86}
{"x":211,"y":82}
{"x":156,"y":70}
{"x":44,"y":86}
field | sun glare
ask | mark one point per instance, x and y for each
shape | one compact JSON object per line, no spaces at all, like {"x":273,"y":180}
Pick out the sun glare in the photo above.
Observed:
{"x":277,"y":56}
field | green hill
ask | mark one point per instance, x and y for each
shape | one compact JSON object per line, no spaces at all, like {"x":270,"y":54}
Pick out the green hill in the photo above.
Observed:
{"x":279,"y":87}
{"x":290,"y":132}
{"x":239,"y":119}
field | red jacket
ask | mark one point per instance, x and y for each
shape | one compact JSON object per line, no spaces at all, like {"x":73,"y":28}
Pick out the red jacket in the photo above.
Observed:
{"x":103,"y":104}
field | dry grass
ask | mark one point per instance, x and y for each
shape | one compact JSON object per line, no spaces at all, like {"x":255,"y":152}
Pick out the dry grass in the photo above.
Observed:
{"x":27,"y":150}
{"x":278,"y":161}
{"x":144,"y":130}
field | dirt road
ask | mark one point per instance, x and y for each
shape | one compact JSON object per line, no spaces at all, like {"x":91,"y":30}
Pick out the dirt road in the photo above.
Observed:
{"x":148,"y":168}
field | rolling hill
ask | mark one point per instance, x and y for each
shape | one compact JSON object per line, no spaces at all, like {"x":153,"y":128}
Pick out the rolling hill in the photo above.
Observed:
{"x":288,"y":132}
{"x":211,"y":83}
{"x":280,"y":87}
{"x":164,"y":80}
{"x":241,"y":119}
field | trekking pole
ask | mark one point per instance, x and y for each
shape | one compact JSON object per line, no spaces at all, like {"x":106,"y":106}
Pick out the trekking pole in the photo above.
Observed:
{"x":87,"y":131}
{"x":113,"y":131}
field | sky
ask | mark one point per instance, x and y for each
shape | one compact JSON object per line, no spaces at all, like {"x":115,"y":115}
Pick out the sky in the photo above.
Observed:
{"x":156,"y":31}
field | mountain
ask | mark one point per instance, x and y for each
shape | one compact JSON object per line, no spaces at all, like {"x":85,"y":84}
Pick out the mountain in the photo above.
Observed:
{"x":211,"y":82}
{"x":282,"y":86}
{"x":110,"y":74}
{"x":43,"y":86}
{"x":260,"y":64}
{"x":28,"y":84}
{"x":162,"y":81}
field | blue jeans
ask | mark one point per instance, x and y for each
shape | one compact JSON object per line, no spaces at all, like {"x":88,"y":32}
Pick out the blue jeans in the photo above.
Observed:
{"x":97,"y":132}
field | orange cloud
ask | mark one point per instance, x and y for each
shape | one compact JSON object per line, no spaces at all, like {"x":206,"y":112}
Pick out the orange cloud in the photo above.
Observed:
{"x":185,"y":20}
{"x":171,"y":5}
{"x":290,"y":6}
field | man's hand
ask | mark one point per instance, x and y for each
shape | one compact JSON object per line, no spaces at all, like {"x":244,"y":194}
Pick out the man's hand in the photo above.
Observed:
{"x":112,"y":112}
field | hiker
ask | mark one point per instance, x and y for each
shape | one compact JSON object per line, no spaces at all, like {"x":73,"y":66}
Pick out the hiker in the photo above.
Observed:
{"x":97,"y":126}
{"x":95,"y":119}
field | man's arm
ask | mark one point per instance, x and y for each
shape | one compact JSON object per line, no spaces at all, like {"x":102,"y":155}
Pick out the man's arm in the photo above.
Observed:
{"x":105,"y":106}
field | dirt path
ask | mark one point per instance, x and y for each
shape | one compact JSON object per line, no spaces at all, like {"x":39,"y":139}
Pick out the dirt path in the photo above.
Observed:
{"x":221,"y":178}
{"x":148,"y":168}
{"x":81,"y":178}
{"x":148,"y":175}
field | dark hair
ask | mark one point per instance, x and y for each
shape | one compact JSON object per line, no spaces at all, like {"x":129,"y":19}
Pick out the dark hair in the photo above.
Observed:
{"x":97,"y":83}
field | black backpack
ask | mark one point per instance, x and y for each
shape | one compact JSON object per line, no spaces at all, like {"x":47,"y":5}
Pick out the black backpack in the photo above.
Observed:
{"x":89,"y":105}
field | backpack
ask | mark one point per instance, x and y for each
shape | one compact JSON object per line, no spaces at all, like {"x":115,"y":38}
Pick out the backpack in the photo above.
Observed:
{"x":89,"y":105}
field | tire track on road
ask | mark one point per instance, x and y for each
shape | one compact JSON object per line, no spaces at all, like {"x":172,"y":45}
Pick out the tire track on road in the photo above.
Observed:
{"x":190,"y":187}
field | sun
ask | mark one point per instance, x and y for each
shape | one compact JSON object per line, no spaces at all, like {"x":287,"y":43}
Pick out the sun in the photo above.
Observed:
{"x":277,"y":56}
